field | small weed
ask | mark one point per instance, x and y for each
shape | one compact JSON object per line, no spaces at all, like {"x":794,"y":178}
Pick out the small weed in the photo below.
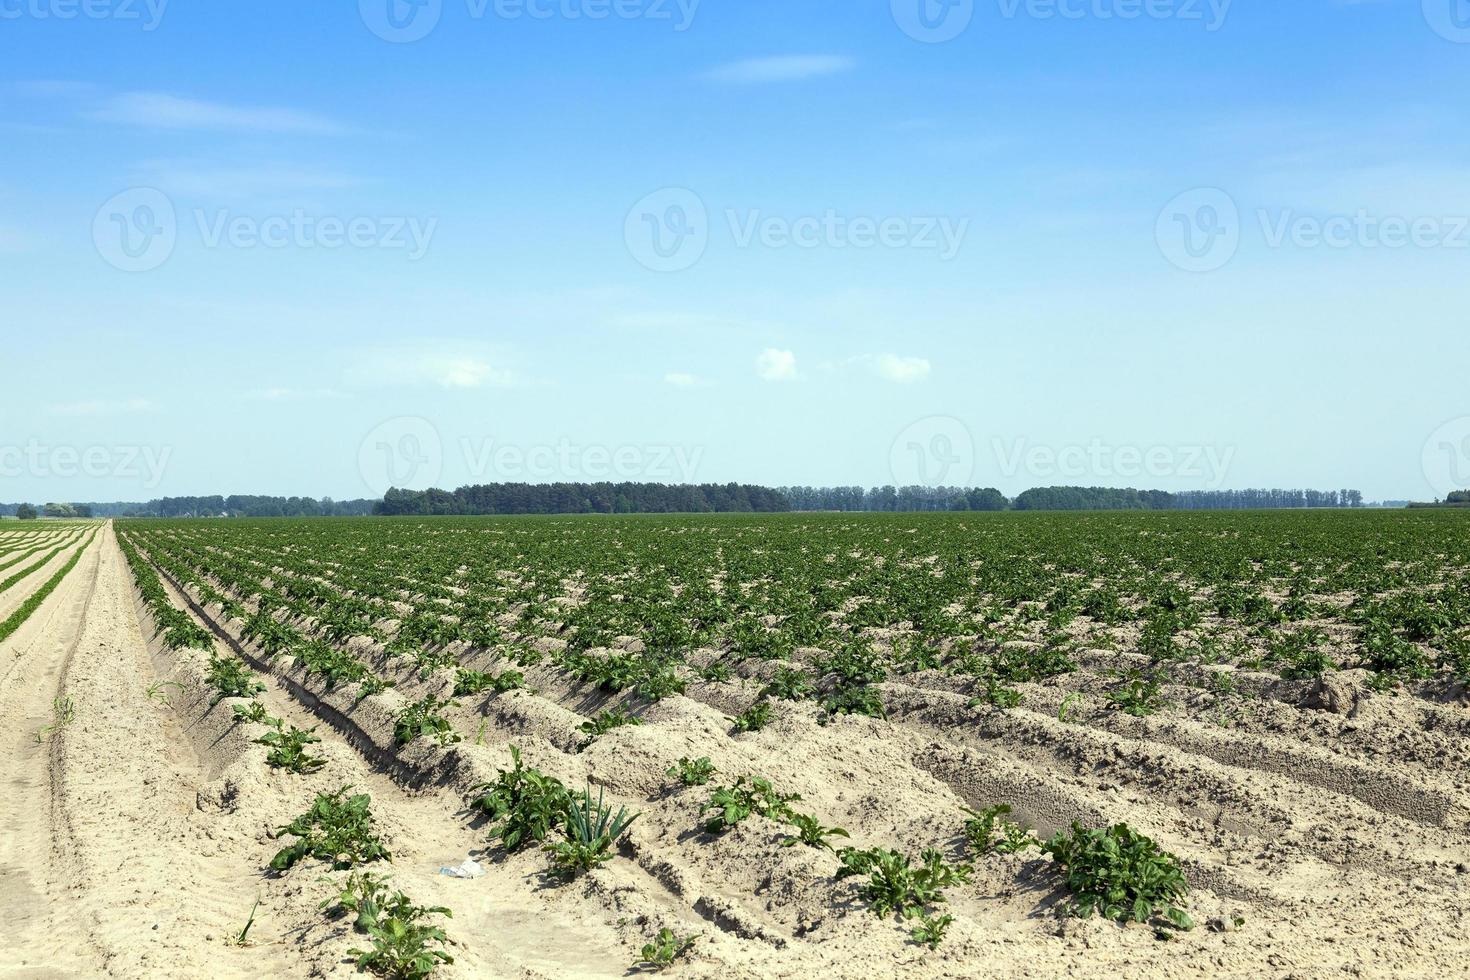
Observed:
{"x":1138,"y":694}
{"x":693,"y":772}
{"x":242,"y":938}
{"x":475,"y":682}
{"x":605,"y":722}
{"x":981,"y":830}
{"x":811,"y":832}
{"x":791,"y":684}
{"x":931,"y":929}
{"x":1068,"y":702}
{"x":255,"y":713}
{"x":63,"y":713}
{"x":422,"y":718}
{"x":230,"y":678}
{"x":734,"y":803}
{"x":288,"y":750}
{"x":753,"y":720}
{"x":664,"y":950}
{"x":159,"y":692}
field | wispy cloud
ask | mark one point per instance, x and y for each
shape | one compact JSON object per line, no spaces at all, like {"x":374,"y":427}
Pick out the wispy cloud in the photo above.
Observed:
{"x":225,"y":182}
{"x":294,"y":394}
{"x":784,"y":68}
{"x":158,"y":110}
{"x":889,"y":367}
{"x":681,"y":380}
{"x":776,"y":365}
{"x":900,"y":370}
{"x":446,"y":368}
{"x":100,"y":408}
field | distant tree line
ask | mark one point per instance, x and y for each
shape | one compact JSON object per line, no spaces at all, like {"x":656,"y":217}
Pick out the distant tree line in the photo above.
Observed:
{"x":706,"y":498}
{"x":211,"y":506}
{"x":906,"y":499}
{"x":585,"y":498}
{"x":894,"y":499}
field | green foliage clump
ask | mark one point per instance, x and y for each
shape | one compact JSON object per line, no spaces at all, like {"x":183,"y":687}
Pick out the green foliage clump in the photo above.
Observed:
{"x":693,"y":772}
{"x":524,"y":805}
{"x":338,"y":828}
{"x":477,"y":682}
{"x":230,"y":678}
{"x":732,"y":804}
{"x":1120,"y":874}
{"x":421,"y":719}
{"x":406,"y":945}
{"x":604,"y":722}
{"x":591,"y":830}
{"x":757,"y":717}
{"x":664,"y":950}
{"x":898,"y":886}
{"x":288,"y":749}
{"x":990,"y":830}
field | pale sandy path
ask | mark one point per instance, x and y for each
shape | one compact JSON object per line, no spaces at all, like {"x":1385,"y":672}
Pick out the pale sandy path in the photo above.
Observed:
{"x":107,"y":867}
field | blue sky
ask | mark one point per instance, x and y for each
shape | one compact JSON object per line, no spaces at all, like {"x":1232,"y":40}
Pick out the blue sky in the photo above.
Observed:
{"x":258,"y":247}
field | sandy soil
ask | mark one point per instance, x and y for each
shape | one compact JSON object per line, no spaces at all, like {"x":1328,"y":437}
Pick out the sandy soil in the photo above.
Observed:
{"x":1332,"y":821}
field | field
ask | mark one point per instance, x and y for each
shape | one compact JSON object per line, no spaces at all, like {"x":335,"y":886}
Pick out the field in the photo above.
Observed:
{"x":1097,"y":745}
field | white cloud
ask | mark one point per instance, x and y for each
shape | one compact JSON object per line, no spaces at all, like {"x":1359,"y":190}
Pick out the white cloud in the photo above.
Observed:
{"x":157,"y":110}
{"x":99,"y":408}
{"x":776,"y":365}
{"x":786,"y":68}
{"x":405,"y":367}
{"x":901,"y":370}
{"x":294,"y":394}
{"x":217,"y":182}
{"x":681,"y":380}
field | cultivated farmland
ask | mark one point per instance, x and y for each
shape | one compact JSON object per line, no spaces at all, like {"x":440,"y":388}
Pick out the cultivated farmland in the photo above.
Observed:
{"x":929,"y":745}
